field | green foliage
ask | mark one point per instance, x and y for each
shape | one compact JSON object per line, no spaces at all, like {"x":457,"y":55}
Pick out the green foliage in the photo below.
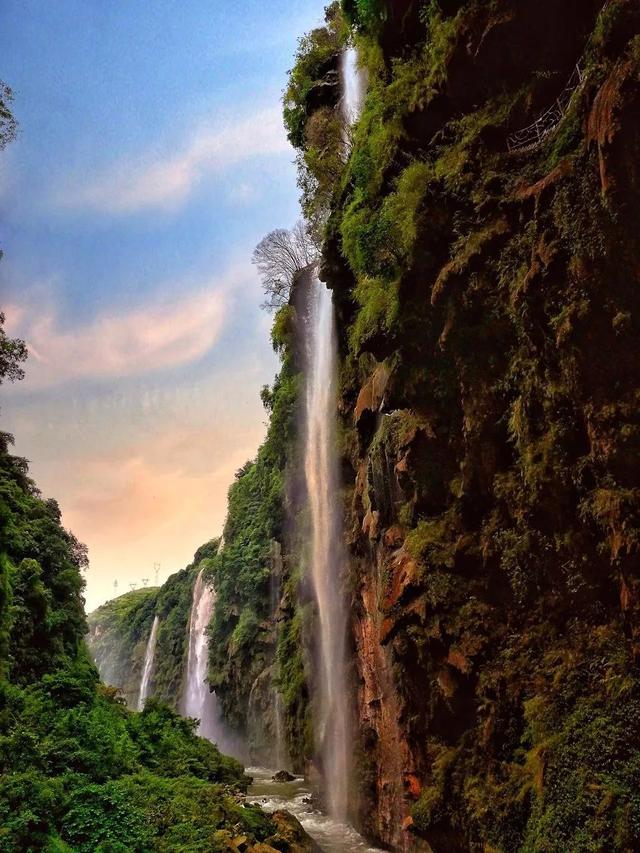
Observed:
{"x":13,"y":351}
{"x":78,"y":772}
{"x":364,"y":14}
{"x":316,"y":55}
{"x":45,"y":619}
{"x":173,"y":607}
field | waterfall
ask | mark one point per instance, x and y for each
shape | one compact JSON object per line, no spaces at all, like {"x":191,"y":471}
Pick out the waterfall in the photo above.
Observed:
{"x":282,"y":760}
{"x":148,"y":664}
{"x":327,"y":551}
{"x":353,"y":85}
{"x":198,"y":700}
{"x":275,"y":590}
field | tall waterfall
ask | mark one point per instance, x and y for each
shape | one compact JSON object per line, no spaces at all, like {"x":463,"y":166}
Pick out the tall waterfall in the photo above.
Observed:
{"x":148,"y":664}
{"x":198,"y":700}
{"x":327,"y":552}
{"x":353,"y":85}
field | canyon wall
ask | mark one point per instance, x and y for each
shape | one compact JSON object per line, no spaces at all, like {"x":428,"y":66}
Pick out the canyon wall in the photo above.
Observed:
{"x":489,"y":310}
{"x":119,"y":631}
{"x":485,"y":270}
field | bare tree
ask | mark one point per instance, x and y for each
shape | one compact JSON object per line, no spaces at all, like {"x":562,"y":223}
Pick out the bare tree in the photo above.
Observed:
{"x":278,"y":257}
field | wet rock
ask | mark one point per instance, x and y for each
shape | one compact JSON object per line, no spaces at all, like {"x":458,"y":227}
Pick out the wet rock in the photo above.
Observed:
{"x":283,"y":776}
{"x":291,"y":836}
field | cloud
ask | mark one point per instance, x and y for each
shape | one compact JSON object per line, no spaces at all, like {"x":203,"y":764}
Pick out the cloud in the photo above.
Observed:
{"x":148,"y":338}
{"x":156,"y":498}
{"x":153,"y":181}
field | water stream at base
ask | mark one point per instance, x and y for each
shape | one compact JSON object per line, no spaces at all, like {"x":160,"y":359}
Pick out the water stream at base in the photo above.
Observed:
{"x":330,"y":834}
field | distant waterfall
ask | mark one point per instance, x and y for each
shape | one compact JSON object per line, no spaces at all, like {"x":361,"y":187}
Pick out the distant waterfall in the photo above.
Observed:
{"x":353,"y":85}
{"x":148,"y":664}
{"x":327,"y":553}
{"x":198,"y":700}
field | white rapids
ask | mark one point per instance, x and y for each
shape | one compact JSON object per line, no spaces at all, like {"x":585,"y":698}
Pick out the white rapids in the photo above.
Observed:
{"x":333,"y":836}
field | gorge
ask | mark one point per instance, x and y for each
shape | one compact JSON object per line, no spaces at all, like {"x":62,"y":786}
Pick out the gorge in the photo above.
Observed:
{"x":424,"y":604}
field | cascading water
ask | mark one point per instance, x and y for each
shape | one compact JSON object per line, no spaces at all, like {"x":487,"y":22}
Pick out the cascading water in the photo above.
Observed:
{"x":327,"y":550}
{"x":279,"y":751}
{"x":353,"y":84}
{"x":148,"y":664}
{"x":198,"y":700}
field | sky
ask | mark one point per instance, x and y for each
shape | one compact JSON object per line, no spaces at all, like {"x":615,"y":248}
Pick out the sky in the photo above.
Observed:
{"x":150,"y":161}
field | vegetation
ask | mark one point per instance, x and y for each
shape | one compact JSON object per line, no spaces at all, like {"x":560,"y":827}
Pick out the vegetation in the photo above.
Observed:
{"x":503,"y":513}
{"x":79,"y":771}
{"x":244,"y":636}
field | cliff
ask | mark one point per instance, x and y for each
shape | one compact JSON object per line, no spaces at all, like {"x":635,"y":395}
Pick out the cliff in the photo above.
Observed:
{"x":489,"y":323}
{"x":119,"y":631}
{"x":117,"y":640}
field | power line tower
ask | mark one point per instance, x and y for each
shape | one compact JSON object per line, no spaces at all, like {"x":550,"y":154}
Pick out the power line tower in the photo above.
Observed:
{"x":156,"y":569}
{"x":145,"y":581}
{"x":115,"y":588}
{"x":132,"y":586}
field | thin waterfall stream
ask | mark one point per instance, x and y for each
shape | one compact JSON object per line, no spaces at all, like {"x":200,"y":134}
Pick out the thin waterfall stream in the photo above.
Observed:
{"x":148,"y":664}
{"x":198,"y":700}
{"x":353,"y":84}
{"x":327,"y":550}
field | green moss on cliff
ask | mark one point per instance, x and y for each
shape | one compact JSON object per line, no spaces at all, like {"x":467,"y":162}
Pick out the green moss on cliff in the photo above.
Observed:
{"x":497,"y":288}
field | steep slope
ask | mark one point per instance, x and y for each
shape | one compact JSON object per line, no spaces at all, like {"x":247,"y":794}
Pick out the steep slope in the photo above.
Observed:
{"x":489,"y":305}
{"x":117,"y":640}
{"x":119,"y":631}
{"x":258,"y":664}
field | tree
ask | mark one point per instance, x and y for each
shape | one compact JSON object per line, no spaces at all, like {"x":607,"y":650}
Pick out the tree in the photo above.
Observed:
{"x":278,"y":257}
{"x":13,"y":352}
{"x":8,"y":124}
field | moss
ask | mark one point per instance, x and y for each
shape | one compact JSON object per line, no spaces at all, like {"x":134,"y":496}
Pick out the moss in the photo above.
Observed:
{"x":434,"y":541}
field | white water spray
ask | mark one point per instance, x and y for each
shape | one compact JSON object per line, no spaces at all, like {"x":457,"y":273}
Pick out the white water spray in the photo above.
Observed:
{"x":148,"y":664}
{"x":327,"y":551}
{"x":353,"y":84}
{"x":198,"y":700}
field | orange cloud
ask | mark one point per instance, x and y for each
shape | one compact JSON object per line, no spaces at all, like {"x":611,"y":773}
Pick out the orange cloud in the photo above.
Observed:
{"x":154,"y":502}
{"x":149,"y":338}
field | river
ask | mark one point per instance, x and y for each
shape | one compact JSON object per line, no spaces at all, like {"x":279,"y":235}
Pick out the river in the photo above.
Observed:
{"x":331,"y":835}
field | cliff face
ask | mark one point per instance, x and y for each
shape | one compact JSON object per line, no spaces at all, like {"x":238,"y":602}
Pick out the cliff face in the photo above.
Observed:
{"x":489,"y":309}
{"x":117,"y":640}
{"x":120,"y":629}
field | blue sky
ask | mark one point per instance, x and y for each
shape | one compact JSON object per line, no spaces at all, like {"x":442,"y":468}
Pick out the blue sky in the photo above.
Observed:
{"x":150,"y":160}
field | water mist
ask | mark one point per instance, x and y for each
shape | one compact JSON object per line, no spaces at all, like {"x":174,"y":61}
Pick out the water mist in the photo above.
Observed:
{"x":148,"y":664}
{"x":327,"y":549}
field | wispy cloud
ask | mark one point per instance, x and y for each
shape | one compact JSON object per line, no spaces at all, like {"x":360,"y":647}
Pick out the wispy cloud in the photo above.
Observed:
{"x":153,"y":181}
{"x":150,"y":337}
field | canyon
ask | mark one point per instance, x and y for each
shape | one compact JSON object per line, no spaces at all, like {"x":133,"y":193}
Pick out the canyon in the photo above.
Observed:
{"x":467,"y":680}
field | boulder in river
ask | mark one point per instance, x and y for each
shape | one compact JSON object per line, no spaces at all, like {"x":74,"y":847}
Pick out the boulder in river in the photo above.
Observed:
{"x":283,"y":776}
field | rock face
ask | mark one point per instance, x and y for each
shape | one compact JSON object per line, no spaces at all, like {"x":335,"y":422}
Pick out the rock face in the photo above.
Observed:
{"x":117,"y":640}
{"x":119,"y":630}
{"x":489,"y":309}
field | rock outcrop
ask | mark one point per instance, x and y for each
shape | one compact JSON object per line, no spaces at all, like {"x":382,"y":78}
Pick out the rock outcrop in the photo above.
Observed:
{"x":489,"y":308}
